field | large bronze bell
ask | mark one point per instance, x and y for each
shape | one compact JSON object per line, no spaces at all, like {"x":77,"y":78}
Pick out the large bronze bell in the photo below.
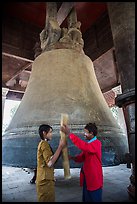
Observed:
{"x":62,"y":81}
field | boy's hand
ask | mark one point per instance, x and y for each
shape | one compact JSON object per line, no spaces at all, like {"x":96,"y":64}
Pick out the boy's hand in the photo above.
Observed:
{"x":71,"y":157}
{"x":65,"y":129}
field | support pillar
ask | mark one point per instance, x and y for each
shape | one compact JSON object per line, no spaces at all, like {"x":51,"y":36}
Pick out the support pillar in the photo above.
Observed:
{"x":122,"y":20}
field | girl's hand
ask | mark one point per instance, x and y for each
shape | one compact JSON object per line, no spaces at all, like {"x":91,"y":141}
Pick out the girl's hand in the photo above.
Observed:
{"x":62,"y":143}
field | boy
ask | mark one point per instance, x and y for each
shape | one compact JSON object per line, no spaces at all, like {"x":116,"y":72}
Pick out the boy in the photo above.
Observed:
{"x":91,"y":174}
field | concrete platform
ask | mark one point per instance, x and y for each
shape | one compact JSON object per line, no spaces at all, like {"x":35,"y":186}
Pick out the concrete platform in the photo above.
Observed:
{"x":16,"y":185}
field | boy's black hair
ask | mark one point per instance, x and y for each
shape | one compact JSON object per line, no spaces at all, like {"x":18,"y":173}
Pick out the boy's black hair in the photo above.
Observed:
{"x":91,"y":127}
{"x":45,"y":128}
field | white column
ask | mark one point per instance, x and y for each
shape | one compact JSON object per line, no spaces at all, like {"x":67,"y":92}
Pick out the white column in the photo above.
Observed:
{"x":120,"y":114}
{"x":4,"y":93}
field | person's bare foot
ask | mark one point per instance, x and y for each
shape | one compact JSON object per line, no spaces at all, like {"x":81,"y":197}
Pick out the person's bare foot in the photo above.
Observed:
{"x":32,"y":181}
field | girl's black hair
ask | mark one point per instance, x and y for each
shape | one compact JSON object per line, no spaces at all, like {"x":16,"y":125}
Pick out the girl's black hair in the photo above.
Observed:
{"x":91,"y":127}
{"x":45,"y":128}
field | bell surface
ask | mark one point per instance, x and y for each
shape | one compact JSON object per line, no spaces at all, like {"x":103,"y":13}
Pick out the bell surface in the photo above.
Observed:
{"x":62,"y":81}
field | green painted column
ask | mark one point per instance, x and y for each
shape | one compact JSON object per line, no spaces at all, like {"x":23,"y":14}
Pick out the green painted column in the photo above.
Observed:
{"x":122,"y":20}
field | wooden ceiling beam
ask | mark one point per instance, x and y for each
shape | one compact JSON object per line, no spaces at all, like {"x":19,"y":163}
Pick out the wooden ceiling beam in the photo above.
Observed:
{"x":98,"y":38}
{"x":17,"y":57}
{"x":19,"y":38}
{"x":64,"y":11}
{"x":17,"y":73}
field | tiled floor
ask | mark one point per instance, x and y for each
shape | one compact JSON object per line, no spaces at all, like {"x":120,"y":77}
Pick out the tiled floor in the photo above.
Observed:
{"x":16,"y":185}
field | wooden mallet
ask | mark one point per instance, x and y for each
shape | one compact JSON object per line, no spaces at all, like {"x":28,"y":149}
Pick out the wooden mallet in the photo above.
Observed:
{"x":66,"y":166}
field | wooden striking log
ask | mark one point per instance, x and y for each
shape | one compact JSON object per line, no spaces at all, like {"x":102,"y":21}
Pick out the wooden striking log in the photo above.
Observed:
{"x":66,"y":166}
